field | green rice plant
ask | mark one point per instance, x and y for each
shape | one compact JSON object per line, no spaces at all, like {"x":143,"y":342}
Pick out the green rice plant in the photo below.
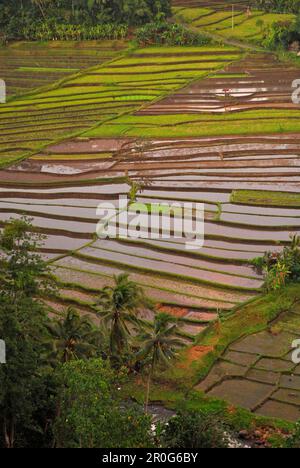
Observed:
{"x":265,"y":198}
{"x":179,"y":51}
{"x":219,"y":212}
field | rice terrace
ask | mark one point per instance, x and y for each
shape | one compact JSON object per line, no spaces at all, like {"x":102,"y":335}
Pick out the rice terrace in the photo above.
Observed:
{"x":191,"y":103}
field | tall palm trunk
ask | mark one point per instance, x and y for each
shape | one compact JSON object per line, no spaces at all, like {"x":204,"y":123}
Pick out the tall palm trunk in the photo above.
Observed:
{"x":9,"y":433}
{"x":151,"y":371}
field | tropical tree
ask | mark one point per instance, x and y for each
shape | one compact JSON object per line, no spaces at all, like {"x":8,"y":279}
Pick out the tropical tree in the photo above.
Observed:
{"x":92,"y":413}
{"x":23,"y":321}
{"x":72,"y":337}
{"x":160,"y":346}
{"x":136,"y":188}
{"x":21,"y":267}
{"x":119,"y":307}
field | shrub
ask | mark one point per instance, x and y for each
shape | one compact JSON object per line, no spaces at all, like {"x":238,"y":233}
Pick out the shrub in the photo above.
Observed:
{"x":195,"y":429}
{"x":17,"y":15}
{"x":281,"y":268}
{"x":163,"y":33}
{"x":279,"y":35}
{"x":92,"y":413}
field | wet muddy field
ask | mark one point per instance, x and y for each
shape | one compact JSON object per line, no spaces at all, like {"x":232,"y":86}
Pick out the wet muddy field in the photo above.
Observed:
{"x":267,"y":84}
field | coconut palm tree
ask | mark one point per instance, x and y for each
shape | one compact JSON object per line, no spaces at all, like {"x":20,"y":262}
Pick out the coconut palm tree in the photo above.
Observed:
{"x":160,"y":346}
{"x":72,"y":337}
{"x":119,"y":306}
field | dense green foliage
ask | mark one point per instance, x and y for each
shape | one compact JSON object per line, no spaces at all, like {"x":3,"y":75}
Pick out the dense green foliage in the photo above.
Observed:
{"x":194,"y":429}
{"x":23,"y":321}
{"x":118,"y":308}
{"x":91,"y":414}
{"x":33,"y":16}
{"x":163,"y":33}
{"x":280,"y":34}
{"x":35,"y":344}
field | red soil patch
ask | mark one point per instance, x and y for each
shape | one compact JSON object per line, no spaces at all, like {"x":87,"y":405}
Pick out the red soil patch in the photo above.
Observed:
{"x":177,"y":312}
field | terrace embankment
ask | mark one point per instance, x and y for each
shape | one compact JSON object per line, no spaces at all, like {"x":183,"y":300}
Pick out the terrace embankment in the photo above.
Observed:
{"x":252,"y":96}
{"x":230,"y":141}
{"x":29,"y":65}
{"x":62,"y":183}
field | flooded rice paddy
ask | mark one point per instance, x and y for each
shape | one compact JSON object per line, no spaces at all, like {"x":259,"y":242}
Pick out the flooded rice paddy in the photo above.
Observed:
{"x":234,"y":233}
